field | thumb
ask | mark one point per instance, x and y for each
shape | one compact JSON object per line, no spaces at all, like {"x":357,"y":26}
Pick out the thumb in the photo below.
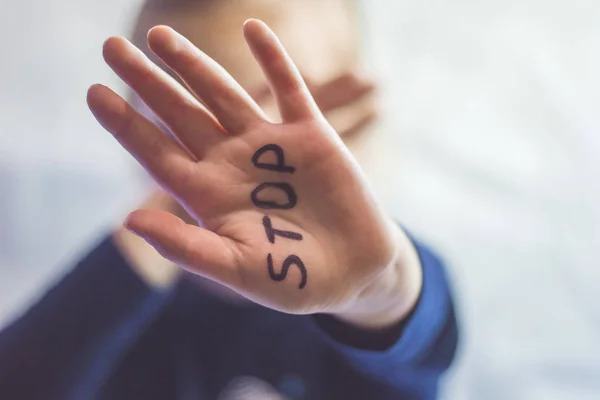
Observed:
{"x":196,"y":249}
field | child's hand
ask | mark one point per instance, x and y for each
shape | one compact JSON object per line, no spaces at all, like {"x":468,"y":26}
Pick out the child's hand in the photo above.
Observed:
{"x":347,"y":102}
{"x":287,"y":217}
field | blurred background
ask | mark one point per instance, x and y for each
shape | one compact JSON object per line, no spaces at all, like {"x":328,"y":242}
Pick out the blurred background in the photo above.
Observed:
{"x":490,"y":152}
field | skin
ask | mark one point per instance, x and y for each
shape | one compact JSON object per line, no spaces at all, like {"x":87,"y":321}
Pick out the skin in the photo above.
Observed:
{"x":327,"y":56}
{"x":370,"y":278}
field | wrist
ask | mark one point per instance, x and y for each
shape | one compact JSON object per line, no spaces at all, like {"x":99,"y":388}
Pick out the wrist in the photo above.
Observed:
{"x":393,"y":294}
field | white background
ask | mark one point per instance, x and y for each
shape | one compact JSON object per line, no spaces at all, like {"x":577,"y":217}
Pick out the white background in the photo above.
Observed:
{"x":490,"y":152}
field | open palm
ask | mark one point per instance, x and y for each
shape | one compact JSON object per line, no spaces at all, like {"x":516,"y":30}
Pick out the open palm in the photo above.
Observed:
{"x":286,"y":217}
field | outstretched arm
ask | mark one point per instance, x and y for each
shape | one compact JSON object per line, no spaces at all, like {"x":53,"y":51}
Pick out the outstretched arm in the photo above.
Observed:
{"x":286,"y":215}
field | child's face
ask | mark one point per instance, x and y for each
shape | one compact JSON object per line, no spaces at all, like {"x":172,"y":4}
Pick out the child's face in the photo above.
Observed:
{"x":320,"y":35}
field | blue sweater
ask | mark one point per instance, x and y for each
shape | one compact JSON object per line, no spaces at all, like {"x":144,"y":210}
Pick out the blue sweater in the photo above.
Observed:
{"x":101,"y":333}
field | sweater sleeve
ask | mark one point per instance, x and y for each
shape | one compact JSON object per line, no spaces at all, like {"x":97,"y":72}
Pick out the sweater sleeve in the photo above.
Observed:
{"x":66,"y":345}
{"x":409,"y":359}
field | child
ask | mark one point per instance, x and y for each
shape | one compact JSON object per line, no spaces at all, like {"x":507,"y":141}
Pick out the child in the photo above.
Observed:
{"x":344,"y":304}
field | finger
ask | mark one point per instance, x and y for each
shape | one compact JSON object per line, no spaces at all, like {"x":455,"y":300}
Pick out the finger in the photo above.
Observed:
{"x":359,"y":123}
{"x":199,"y":250}
{"x":341,"y":91}
{"x":352,"y":118}
{"x":166,"y":161}
{"x":294,"y":99}
{"x":229,"y":102}
{"x":172,"y":103}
